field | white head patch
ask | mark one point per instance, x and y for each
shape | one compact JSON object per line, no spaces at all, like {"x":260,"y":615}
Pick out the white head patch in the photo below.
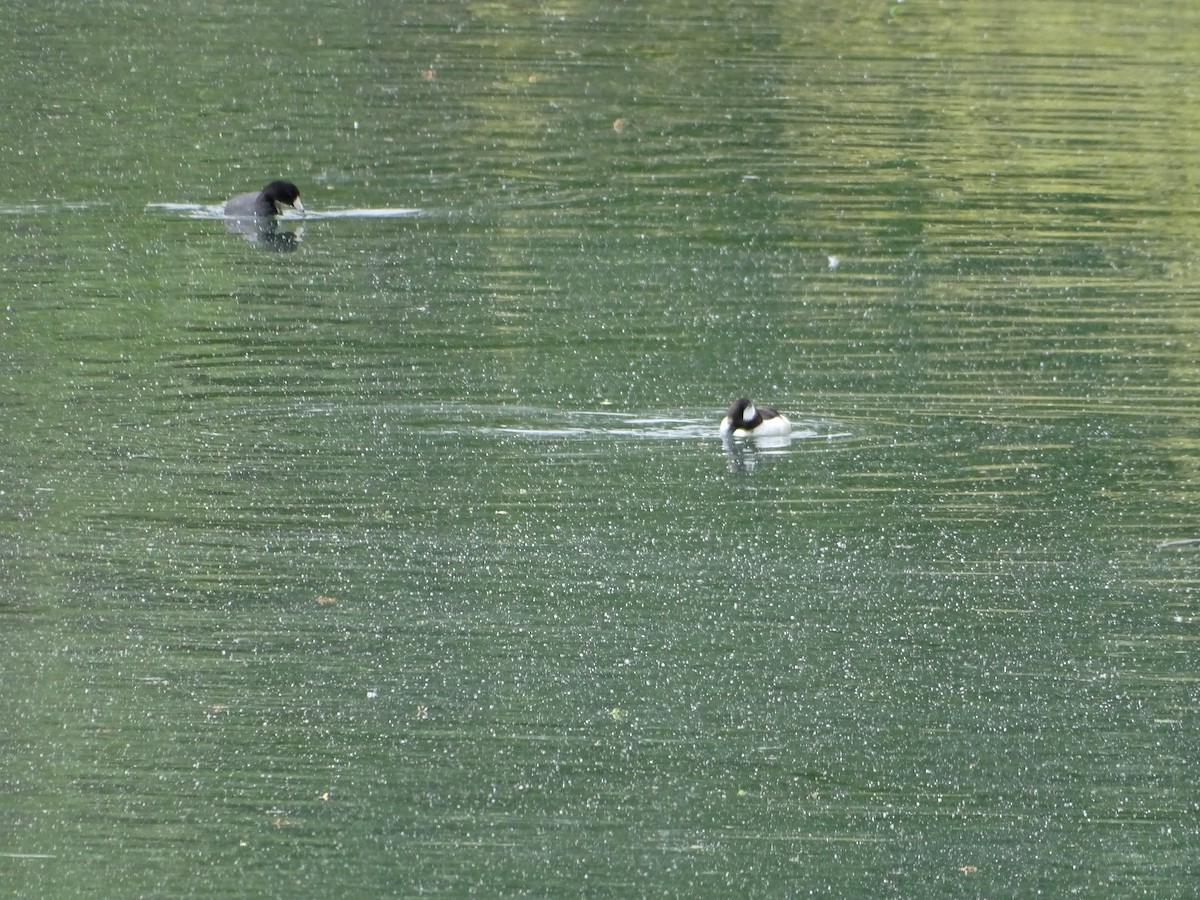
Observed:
{"x":749,"y":412}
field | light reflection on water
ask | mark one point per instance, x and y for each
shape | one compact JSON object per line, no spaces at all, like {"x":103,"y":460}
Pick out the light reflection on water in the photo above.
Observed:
{"x":635,"y":427}
{"x":217,"y":211}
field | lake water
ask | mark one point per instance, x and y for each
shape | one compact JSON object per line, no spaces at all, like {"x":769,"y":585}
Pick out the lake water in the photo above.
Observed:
{"x":409,"y":561}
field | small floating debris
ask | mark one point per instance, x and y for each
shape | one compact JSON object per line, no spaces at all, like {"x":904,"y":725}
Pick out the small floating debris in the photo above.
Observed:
{"x":1186,"y":542}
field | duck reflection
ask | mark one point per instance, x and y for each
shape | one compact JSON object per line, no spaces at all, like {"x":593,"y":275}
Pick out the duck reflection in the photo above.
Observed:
{"x":265,"y":232}
{"x":744,"y":454}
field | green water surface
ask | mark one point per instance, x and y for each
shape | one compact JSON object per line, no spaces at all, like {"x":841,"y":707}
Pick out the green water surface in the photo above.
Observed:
{"x":409,"y":562}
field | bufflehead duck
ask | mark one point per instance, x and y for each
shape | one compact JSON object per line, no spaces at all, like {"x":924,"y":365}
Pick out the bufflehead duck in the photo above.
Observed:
{"x":267,"y":202}
{"x":744,"y":419}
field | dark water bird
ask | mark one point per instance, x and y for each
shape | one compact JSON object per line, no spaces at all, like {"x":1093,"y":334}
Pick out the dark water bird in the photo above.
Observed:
{"x":253,"y":215}
{"x":744,"y":419}
{"x":267,"y":202}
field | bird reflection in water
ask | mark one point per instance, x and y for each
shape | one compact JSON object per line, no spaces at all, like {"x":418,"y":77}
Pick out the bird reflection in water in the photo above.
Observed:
{"x":744,"y":454}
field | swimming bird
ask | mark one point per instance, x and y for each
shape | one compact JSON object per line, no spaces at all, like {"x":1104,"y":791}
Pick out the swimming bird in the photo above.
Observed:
{"x":254,"y":216}
{"x":744,"y":419}
{"x":267,"y":202}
